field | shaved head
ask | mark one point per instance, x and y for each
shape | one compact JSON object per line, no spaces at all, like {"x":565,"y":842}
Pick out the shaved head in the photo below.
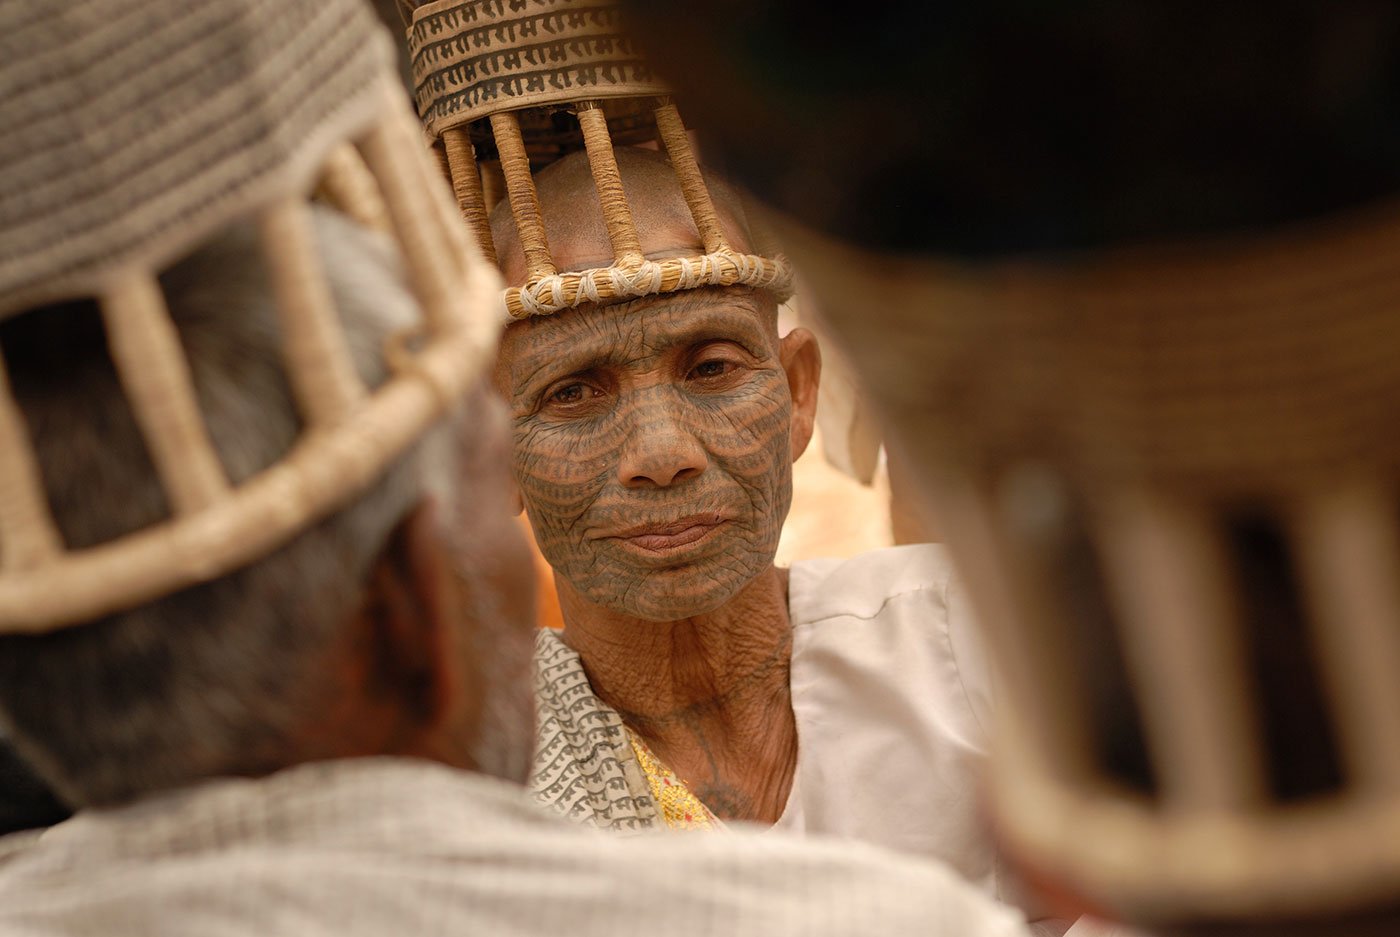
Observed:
{"x":573,"y":215}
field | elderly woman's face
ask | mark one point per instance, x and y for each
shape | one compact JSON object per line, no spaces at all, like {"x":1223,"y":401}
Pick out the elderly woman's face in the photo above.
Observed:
{"x":652,"y":446}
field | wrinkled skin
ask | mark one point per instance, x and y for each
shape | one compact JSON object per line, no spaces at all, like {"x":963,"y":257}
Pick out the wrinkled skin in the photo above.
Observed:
{"x":653,"y":451}
{"x":644,"y":414}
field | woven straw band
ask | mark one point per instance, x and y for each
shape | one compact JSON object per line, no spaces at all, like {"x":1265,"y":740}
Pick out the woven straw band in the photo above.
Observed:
{"x":473,"y":58}
{"x":234,"y":110}
{"x":561,"y":291}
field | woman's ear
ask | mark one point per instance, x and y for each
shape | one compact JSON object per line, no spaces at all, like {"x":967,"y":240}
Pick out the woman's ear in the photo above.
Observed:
{"x":802,"y":360}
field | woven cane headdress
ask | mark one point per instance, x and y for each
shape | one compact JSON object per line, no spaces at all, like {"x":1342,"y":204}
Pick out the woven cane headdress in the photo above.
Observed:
{"x":506,"y":87}
{"x":130,"y":132}
{"x":1171,"y":480}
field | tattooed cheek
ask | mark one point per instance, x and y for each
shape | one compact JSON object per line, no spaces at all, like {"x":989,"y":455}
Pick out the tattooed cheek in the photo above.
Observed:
{"x":568,"y":477}
{"x":561,"y":471}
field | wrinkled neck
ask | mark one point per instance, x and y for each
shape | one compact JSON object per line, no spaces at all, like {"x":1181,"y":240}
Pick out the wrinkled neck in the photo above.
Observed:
{"x":652,"y":670}
{"x":708,"y":694}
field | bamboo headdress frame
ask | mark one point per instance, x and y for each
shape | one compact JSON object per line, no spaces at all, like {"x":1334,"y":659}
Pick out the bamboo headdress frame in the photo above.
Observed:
{"x":1095,"y":433}
{"x":510,"y":69}
{"x":382,"y":177}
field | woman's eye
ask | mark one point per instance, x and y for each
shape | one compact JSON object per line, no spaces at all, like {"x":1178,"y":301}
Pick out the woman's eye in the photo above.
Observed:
{"x":715,"y":368}
{"x":573,"y":393}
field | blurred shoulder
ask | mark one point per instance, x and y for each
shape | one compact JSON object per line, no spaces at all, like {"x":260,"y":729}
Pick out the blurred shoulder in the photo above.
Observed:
{"x":752,"y":883}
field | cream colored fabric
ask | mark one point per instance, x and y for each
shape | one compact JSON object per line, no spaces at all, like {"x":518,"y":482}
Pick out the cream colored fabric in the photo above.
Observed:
{"x":890,"y":694}
{"x":584,"y":765}
{"x":388,"y":847}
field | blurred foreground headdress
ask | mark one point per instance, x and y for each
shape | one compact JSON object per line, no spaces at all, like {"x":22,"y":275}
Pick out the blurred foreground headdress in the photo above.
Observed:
{"x":1125,"y":281}
{"x":131,"y":131}
{"x":1171,"y":481}
{"x":506,"y":88}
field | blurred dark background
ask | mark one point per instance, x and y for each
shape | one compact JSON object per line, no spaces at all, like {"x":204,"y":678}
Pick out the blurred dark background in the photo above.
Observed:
{"x":25,"y":801}
{"x":1007,"y":127}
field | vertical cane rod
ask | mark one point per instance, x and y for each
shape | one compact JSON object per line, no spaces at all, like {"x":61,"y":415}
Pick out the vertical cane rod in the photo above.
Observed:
{"x":151,"y":364}
{"x":697,"y":194}
{"x":28,"y":535}
{"x":466,"y":185}
{"x":319,"y":366}
{"x":1350,"y":553}
{"x":1184,"y":649}
{"x":434,"y":266}
{"x":617,"y":215}
{"x":524,"y":201}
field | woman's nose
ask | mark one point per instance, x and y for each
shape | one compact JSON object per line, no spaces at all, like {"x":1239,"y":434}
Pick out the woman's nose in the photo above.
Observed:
{"x":660,"y":450}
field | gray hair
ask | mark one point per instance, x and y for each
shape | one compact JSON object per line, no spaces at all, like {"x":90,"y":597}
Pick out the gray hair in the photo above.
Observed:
{"x":215,"y":678}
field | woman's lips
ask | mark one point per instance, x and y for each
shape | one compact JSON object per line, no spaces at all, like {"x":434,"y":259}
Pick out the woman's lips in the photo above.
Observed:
{"x":660,"y":538}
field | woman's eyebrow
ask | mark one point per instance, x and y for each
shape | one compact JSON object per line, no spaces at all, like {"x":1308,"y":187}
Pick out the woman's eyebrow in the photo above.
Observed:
{"x":554,"y":367}
{"x":569,"y":352}
{"x":704,"y":324}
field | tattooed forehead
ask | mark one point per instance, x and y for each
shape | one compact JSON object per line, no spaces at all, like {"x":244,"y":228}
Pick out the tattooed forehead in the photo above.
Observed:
{"x":630,"y":334}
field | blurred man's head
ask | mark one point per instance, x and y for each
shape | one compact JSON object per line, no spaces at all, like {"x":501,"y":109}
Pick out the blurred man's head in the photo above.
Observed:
{"x":398,"y":625}
{"x":654,"y":439}
{"x":248,"y":472}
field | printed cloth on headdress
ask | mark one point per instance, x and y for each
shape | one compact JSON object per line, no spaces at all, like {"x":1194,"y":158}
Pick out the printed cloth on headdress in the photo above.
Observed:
{"x":473,"y":58}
